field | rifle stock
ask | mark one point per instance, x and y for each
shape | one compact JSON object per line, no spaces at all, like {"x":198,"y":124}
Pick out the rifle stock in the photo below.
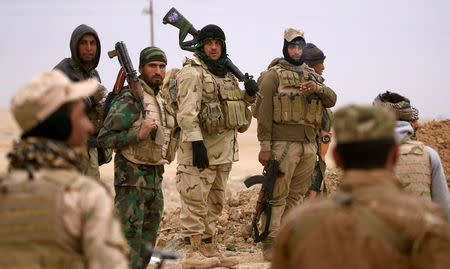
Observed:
{"x":173,"y":17}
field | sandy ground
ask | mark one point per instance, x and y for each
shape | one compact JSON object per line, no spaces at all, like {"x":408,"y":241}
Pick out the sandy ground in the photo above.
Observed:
{"x":240,"y":201}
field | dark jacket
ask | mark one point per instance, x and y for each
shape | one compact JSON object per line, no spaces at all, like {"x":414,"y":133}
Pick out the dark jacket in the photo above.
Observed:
{"x":76,"y":72}
{"x":72,"y":66}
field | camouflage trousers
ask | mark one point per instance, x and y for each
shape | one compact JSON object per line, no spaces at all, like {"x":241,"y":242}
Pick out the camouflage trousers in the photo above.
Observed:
{"x":297,"y":165}
{"x":139,"y":201}
{"x":202,"y":194}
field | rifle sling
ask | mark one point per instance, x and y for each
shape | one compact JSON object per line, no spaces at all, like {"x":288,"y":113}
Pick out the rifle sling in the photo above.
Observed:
{"x":285,"y":151}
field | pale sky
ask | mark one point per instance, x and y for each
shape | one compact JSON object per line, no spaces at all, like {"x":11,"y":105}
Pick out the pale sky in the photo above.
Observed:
{"x":371,"y":46}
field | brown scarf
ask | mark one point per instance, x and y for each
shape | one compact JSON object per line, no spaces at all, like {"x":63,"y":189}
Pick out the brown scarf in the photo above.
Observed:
{"x":33,"y":153}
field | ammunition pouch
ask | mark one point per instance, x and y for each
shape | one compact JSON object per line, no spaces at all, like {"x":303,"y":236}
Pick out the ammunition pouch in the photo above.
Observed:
{"x":292,"y":107}
{"x":296,"y":109}
{"x":147,"y":151}
{"x":211,"y":118}
{"x":234,"y":108}
{"x":229,"y":111}
{"x":314,"y":110}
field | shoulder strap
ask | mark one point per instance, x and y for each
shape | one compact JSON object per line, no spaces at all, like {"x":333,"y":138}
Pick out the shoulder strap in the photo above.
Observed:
{"x":365,"y":217}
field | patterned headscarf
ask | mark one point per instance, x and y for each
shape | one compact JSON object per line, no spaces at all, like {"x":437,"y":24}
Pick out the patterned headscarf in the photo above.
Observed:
{"x":415,"y":114}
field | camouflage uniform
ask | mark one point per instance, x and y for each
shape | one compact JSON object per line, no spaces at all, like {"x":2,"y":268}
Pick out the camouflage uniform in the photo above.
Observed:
{"x":369,"y":222}
{"x":288,"y":123}
{"x":202,"y":191}
{"x":138,"y":167}
{"x":76,"y":224}
{"x":51,"y":215}
{"x":76,"y":72}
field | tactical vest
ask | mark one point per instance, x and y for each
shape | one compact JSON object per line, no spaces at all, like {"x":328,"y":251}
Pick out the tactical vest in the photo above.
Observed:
{"x":413,"y":169}
{"x":223,"y":106}
{"x":32,"y":232}
{"x":292,"y":107}
{"x":149,"y":151}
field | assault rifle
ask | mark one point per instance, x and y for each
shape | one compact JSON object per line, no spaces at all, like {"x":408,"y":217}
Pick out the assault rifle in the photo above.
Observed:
{"x":265,"y":197}
{"x":175,"y":18}
{"x":129,"y":73}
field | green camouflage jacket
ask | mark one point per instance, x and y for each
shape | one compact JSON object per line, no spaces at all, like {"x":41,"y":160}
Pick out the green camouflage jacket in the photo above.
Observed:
{"x":116,"y":132}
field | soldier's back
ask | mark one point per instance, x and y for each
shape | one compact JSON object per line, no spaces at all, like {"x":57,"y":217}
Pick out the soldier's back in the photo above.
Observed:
{"x":367,"y":224}
{"x":57,"y":219}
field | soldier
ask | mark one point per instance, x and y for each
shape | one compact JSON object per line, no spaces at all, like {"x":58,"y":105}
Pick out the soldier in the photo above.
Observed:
{"x":369,"y":222}
{"x":315,"y":58}
{"x":52,"y":215}
{"x":140,"y":157}
{"x":419,"y":168}
{"x":85,"y":49}
{"x":289,"y":117}
{"x":212,"y":109}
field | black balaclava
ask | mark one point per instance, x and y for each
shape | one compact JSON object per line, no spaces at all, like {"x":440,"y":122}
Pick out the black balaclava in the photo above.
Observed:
{"x":212,"y":31}
{"x":296,"y":41}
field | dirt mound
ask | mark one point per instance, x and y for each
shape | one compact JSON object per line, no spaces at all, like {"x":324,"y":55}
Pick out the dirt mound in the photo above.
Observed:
{"x":232,"y":227}
{"x":435,"y":134}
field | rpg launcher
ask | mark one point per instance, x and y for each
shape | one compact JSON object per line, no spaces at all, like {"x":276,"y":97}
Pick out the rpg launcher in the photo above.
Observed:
{"x":173,"y":17}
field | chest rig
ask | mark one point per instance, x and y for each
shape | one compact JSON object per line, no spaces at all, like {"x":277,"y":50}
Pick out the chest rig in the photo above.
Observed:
{"x":413,"y":169}
{"x":290,"y":106}
{"x":33,"y":231}
{"x":150,"y":151}
{"x":223,"y":105}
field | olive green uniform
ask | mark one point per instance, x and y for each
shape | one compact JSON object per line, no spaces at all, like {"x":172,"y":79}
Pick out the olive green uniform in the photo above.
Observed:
{"x":288,"y":122}
{"x":369,"y":223}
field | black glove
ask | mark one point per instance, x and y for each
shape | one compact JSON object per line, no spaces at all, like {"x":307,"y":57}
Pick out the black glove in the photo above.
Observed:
{"x":199,"y":155}
{"x":251,"y":88}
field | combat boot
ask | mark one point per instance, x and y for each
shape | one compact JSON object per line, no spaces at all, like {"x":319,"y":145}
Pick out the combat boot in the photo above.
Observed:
{"x":193,"y":257}
{"x":267,"y":246}
{"x":208,"y":248}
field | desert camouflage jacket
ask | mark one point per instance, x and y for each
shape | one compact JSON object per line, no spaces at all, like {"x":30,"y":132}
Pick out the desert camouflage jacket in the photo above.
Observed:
{"x":195,"y":89}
